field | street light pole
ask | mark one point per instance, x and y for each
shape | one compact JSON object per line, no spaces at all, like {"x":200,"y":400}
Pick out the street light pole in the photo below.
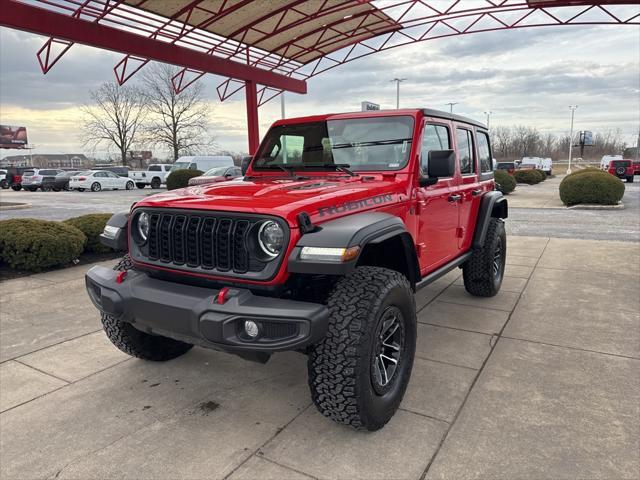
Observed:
{"x":573,"y":110}
{"x":398,"y":82}
{"x":282,"y":114}
{"x":451,"y":104}
{"x":488,"y":115}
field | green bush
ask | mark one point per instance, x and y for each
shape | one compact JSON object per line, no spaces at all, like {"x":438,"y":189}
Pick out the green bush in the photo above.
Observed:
{"x":587,"y":170}
{"x":33,"y":245}
{"x":506,"y":181}
{"x":530,"y":177}
{"x":180,"y":178}
{"x":92,"y":226}
{"x":595,"y":187}
{"x":541,"y":174}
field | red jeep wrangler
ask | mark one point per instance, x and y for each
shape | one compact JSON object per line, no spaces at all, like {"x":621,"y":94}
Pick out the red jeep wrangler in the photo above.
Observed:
{"x":338,"y":221}
{"x":622,"y":169}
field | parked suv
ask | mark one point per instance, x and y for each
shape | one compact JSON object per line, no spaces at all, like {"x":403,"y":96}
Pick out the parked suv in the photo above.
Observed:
{"x":14,"y":177}
{"x":35,"y":179}
{"x":622,"y":169}
{"x":510,"y":167}
{"x":338,"y":221}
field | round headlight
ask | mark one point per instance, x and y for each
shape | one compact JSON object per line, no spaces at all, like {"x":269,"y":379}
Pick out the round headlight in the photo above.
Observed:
{"x":271,"y":238}
{"x":143,"y":226}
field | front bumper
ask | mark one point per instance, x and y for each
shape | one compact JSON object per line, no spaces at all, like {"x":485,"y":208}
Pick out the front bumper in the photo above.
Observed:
{"x":192,"y":314}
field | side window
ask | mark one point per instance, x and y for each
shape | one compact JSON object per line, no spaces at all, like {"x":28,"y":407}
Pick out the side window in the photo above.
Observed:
{"x":484,"y":152}
{"x":465,"y":151}
{"x":193,"y":166}
{"x":288,"y":150}
{"x":100,"y":174}
{"x":434,"y":137}
{"x":111,"y":175}
{"x":154,"y":168}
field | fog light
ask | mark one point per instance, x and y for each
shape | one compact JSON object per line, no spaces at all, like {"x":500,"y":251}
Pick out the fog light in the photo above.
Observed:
{"x":251,"y":328}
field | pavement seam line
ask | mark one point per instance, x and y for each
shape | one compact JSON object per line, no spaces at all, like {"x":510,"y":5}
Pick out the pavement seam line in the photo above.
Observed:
{"x":42,"y":371}
{"x":262,"y":457}
{"x":259,"y":449}
{"x":572,"y":348}
{"x":49,"y":346}
{"x":457,"y":328}
{"x":408,"y":410}
{"x":445,"y":363}
{"x":492,"y":348}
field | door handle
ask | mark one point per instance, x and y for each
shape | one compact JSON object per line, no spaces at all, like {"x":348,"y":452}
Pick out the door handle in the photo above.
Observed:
{"x":455,"y":198}
{"x":475,"y":193}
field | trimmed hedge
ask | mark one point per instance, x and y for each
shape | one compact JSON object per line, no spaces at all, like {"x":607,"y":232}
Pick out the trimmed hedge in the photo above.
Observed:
{"x":92,"y":226}
{"x":587,"y":170}
{"x":507,"y":182}
{"x":530,"y":177}
{"x":180,"y":178}
{"x":595,"y":187}
{"x":33,"y":245}
{"x":541,"y":174}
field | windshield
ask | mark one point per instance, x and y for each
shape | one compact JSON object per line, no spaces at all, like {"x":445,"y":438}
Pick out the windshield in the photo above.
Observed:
{"x":180,"y":165}
{"x":216,"y":172}
{"x":375,"y":143}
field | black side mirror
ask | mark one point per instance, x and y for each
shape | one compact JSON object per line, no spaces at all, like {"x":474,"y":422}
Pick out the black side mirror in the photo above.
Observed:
{"x":442,"y":164}
{"x":244,"y":166}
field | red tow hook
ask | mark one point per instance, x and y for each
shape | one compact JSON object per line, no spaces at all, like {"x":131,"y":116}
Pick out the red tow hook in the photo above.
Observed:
{"x":222,"y":295}
{"x":121,"y":276}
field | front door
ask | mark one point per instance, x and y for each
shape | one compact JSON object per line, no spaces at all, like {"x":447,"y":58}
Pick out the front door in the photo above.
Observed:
{"x":437,"y":210}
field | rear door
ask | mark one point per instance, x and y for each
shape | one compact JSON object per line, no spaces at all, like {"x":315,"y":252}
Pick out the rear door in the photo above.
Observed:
{"x":468,"y":190}
{"x":437,"y":213}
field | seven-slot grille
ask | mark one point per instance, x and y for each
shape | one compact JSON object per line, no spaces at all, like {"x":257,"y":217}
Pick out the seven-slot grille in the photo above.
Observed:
{"x":201,"y":241}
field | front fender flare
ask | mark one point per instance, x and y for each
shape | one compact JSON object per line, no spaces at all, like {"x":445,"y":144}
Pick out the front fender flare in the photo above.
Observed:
{"x":117,"y":238}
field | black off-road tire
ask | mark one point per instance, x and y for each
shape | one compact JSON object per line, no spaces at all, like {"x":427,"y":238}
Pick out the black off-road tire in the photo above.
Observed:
{"x":155,"y":183}
{"x":481,"y":276}
{"x":341,"y":366}
{"x":630,"y":179}
{"x":136,"y":343}
{"x":16,"y":188}
{"x":4,"y":185}
{"x":141,"y":185}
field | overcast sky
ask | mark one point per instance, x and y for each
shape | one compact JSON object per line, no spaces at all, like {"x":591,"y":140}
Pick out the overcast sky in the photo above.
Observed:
{"x":526,"y":76}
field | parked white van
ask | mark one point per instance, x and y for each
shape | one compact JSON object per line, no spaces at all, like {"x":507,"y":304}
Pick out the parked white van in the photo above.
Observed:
{"x":202,"y":162}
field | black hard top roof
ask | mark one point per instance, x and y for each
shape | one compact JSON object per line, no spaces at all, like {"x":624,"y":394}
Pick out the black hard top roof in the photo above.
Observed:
{"x":451,"y":116}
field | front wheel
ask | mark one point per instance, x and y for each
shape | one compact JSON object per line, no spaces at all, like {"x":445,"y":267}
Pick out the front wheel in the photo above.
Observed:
{"x":359,"y":372}
{"x":16,"y":188}
{"x":136,"y":343}
{"x":155,"y":183}
{"x":96,"y":187}
{"x":483,"y":272}
{"x":129,"y":186}
{"x":3,"y":184}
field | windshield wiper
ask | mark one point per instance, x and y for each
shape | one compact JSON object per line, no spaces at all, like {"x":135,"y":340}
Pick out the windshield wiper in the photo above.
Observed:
{"x":286,"y":169}
{"x":371,"y":143}
{"x":341,"y":167}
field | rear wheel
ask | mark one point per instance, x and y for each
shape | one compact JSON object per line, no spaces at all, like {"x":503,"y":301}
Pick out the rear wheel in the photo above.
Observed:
{"x":140,"y":185}
{"x":96,"y":187}
{"x":3,"y":184}
{"x":155,"y":183}
{"x":45,"y":189}
{"x":16,"y":188}
{"x":129,"y":186}
{"x":32,"y":189}
{"x":483,"y":272}
{"x":136,"y":343}
{"x":55,"y":189}
{"x":359,"y":372}
{"x":630,"y":179}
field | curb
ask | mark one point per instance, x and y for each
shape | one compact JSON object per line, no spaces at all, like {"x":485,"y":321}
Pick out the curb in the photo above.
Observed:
{"x":591,"y":206}
{"x":14,"y":207}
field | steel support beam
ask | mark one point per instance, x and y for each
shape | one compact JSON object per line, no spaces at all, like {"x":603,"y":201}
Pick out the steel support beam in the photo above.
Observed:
{"x":25,"y":17}
{"x":251,"y":94}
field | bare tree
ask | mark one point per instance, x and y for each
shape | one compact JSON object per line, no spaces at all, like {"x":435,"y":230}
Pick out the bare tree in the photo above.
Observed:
{"x":177,"y":121}
{"x":113,"y":118}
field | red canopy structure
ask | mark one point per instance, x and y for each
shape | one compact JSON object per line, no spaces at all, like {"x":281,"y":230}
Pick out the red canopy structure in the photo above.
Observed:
{"x":269,"y":46}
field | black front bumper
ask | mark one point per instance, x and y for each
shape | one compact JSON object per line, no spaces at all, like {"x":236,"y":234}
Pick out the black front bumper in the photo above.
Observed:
{"x":192,"y":314}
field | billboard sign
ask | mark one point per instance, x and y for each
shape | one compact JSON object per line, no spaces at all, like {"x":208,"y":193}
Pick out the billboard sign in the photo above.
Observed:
{"x":367,"y":106}
{"x":13,"y":137}
{"x":586,"y":138}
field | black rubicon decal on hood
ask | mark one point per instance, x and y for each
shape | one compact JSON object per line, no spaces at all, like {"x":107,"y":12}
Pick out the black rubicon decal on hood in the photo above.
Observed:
{"x":356,"y":204}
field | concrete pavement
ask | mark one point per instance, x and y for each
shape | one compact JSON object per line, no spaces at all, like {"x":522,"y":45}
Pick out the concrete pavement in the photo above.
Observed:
{"x":541,"y":381}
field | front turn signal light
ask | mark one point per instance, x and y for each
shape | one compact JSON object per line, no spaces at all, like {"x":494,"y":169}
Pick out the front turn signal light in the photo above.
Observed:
{"x":329,"y":254}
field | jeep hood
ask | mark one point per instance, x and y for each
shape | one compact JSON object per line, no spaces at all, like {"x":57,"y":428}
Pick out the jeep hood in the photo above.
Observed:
{"x":325,"y":196}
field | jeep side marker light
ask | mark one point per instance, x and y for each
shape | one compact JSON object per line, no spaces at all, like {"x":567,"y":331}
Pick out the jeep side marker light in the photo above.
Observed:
{"x":329,"y":254}
{"x":251,"y":328}
{"x":110,"y":231}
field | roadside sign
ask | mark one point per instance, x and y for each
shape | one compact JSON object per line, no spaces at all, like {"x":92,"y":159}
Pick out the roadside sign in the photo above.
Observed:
{"x":367,"y":106}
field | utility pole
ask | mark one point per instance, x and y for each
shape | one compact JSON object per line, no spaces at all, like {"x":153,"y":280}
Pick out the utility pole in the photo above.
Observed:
{"x":488,"y":115}
{"x":282,"y":114}
{"x":573,"y":110}
{"x":398,"y":82}
{"x":451,"y":104}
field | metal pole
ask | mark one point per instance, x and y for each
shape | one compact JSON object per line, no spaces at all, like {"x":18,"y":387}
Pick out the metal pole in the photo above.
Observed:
{"x":282,"y":114}
{"x":252,"y":116}
{"x":284,"y":138}
{"x":488,"y":115}
{"x":398,"y":82}
{"x":573,"y":109}
{"x":451,"y":104}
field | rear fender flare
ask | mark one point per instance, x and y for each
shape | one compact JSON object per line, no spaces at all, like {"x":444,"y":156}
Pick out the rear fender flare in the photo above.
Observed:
{"x":493,"y":205}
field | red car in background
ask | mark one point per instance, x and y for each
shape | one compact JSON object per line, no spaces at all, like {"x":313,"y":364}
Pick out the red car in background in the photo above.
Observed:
{"x":510,"y":167}
{"x":215,"y":175}
{"x":636,"y":167}
{"x":622,"y":169}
